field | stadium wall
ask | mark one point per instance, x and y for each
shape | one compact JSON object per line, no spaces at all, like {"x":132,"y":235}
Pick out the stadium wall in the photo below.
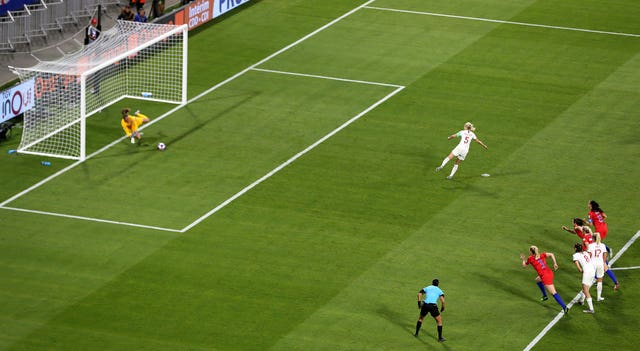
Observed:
{"x":199,"y":12}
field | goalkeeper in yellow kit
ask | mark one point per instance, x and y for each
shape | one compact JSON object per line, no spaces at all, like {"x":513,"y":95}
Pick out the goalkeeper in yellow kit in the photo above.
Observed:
{"x":130,"y":124}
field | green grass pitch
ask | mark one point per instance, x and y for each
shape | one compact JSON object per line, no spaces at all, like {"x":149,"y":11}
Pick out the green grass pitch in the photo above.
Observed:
{"x":247,"y":233}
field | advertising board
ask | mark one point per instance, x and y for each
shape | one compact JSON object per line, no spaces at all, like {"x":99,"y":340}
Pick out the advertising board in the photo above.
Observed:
{"x":14,"y":101}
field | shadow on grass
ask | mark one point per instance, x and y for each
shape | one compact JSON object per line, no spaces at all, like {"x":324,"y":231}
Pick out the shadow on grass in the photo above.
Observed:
{"x":407,"y":325}
{"x":514,"y":290}
{"x":148,"y":142}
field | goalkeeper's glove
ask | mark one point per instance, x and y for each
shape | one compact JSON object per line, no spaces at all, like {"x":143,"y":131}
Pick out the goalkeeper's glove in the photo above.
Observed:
{"x":442,"y":309}
{"x":419,"y":304}
{"x":137,"y":112}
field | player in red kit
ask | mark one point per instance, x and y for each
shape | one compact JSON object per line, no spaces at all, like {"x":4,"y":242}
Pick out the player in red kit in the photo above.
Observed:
{"x":586,"y":237}
{"x":545,"y":274}
{"x":597,"y":218}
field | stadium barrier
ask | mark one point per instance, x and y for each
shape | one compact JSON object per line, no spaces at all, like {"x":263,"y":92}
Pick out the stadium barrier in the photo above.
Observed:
{"x":35,"y":19}
{"x":199,"y":12}
{"x":15,"y":100}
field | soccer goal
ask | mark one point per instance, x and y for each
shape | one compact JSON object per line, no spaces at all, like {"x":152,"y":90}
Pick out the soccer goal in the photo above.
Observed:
{"x":130,"y":60}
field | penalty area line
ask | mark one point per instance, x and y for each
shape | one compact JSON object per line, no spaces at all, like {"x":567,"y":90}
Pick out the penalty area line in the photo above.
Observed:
{"x":215,"y":87}
{"x":90,"y":219}
{"x":291,"y":160}
{"x":624,"y":268}
{"x":327,"y":77}
{"x":561,"y":314}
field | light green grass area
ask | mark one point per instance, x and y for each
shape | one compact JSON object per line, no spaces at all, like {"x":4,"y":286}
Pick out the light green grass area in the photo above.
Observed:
{"x":329,"y":252}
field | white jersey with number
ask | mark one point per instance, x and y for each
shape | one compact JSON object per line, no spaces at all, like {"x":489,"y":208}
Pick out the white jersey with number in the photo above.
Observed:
{"x":466,"y":136}
{"x":597,"y":252}
{"x":588,"y":270}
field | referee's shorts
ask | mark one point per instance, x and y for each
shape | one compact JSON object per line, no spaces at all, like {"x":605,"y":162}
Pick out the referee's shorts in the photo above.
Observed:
{"x":429,"y":308}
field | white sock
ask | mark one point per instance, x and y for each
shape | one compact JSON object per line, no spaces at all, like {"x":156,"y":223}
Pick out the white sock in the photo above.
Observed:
{"x":599,"y":290}
{"x":581,"y":299}
{"x":444,"y":162}
{"x":590,"y":303}
{"x":453,"y":170}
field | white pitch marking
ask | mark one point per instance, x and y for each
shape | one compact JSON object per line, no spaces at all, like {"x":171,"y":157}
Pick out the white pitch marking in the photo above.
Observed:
{"x":289,"y":161}
{"x":560,"y":315}
{"x":327,"y":77}
{"x":92,"y":219}
{"x":624,"y":248}
{"x":504,"y":22}
{"x":282,"y":50}
{"x":69,"y":167}
{"x":624,"y":268}
{"x":66,"y":169}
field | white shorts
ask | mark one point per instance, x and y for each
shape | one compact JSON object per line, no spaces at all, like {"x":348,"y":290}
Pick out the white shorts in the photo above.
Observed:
{"x":599,"y":271}
{"x":587,"y":277}
{"x":460,"y":152}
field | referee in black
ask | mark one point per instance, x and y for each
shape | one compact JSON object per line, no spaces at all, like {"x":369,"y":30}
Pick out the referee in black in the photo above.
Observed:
{"x":428,"y":304}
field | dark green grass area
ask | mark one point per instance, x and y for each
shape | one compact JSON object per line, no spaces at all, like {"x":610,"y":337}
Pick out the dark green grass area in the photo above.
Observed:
{"x":330,"y":252}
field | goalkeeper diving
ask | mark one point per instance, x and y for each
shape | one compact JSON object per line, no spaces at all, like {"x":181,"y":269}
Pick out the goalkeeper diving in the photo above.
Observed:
{"x":130,"y":124}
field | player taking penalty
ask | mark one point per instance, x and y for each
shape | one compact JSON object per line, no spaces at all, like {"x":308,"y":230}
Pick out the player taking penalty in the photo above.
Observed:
{"x":460,"y":152}
{"x":130,"y":124}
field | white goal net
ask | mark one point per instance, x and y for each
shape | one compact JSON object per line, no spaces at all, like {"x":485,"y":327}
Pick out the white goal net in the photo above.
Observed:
{"x":130,"y":60}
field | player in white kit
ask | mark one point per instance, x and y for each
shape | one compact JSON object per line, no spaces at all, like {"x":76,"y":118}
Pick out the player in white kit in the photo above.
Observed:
{"x":460,"y":152}
{"x":583,"y":261}
{"x":598,"y":252}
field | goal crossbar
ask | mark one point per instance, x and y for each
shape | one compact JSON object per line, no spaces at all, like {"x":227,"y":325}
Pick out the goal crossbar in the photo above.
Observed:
{"x":130,"y":60}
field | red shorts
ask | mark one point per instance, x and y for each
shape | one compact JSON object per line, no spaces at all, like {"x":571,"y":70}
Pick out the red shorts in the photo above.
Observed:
{"x":603,"y":232}
{"x":547,"y":278}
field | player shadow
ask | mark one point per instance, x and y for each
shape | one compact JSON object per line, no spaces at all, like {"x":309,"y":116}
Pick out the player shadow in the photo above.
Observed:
{"x":468,"y":184}
{"x":396,"y":318}
{"x":526,"y":295}
{"x":462,"y":176}
{"x":509,"y":173}
{"x":512,"y":289}
{"x":201,"y":123}
{"x":149,"y":141}
{"x":407,"y":325}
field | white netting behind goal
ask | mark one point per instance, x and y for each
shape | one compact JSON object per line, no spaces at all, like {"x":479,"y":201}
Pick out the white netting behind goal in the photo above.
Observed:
{"x":136,"y":60}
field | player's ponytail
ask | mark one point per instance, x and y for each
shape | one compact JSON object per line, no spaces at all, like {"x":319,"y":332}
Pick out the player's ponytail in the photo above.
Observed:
{"x":597,"y":238}
{"x":595,"y":207}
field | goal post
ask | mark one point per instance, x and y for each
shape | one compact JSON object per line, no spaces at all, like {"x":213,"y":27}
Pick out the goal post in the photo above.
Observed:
{"x":130,"y":60}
